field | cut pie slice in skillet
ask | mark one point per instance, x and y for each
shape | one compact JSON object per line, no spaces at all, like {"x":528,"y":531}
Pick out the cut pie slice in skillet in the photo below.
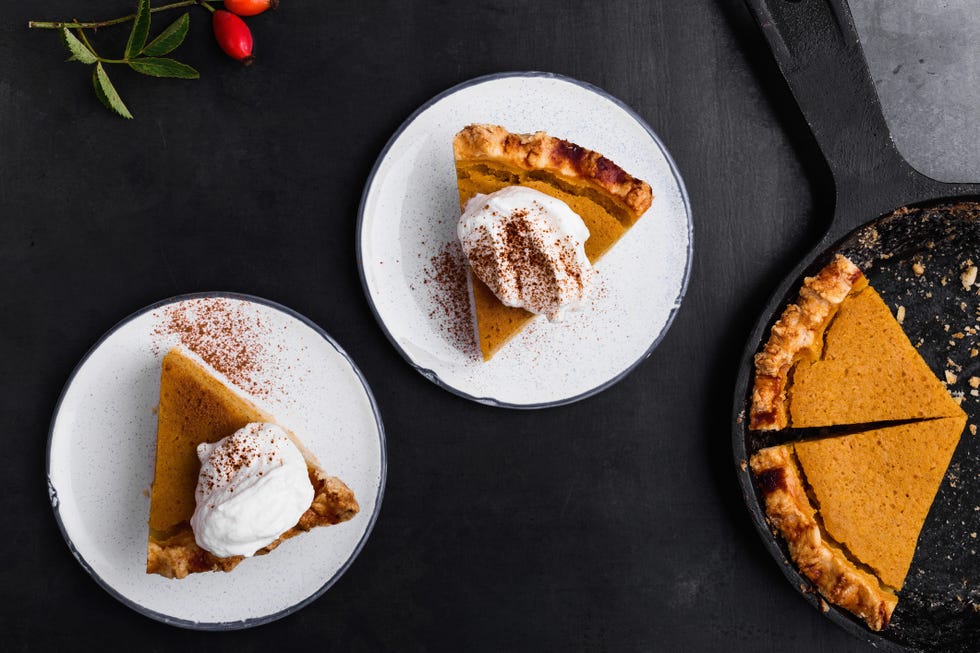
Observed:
{"x":195,"y":407}
{"x":851,"y":507}
{"x":868,"y":371}
{"x":875,"y":488}
{"x":608,"y":199}
{"x":838,"y":357}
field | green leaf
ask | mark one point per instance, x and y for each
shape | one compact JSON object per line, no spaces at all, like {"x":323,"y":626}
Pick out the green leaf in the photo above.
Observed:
{"x":169,"y":38}
{"x":78,"y":50}
{"x":158,"y":67}
{"x":141,"y":27}
{"x":107,"y":92}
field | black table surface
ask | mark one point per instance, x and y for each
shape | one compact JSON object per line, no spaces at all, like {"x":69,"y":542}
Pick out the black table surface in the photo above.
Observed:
{"x":615,"y":523}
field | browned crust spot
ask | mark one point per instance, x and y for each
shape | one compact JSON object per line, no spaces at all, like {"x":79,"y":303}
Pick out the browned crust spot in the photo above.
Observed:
{"x":790,"y":512}
{"x":772,"y":480}
{"x":539,"y":151}
{"x":796,"y":334}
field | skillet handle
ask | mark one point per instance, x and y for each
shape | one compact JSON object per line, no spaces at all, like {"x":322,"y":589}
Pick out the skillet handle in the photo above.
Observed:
{"x":818,"y":51}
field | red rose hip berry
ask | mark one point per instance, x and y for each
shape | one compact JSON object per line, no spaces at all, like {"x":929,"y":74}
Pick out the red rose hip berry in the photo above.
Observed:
{"x":250,"y":7}
{"x":233,"y":35}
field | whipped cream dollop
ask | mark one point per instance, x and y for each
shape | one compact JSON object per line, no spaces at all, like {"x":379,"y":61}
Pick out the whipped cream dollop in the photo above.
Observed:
{"x":529,"y":248}
{"x":252,"y":488}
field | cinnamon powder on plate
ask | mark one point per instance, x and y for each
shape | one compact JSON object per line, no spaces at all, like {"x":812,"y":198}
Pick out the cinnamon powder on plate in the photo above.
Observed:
{"x":224,"y":333}
{"x":446,"y":277}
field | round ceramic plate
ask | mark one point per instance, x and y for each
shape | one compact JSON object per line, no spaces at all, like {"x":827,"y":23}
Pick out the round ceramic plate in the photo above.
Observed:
{"x":407,"y":237}
{"x":101,"y":459}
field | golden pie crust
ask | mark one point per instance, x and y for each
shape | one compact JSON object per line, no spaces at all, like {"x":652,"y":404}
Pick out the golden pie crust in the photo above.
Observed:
{"x":609,"y":200}
{"x":195,"y":407}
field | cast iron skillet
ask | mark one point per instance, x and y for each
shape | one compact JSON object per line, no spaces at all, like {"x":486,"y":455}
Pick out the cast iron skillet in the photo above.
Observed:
{"x":892,"y":221}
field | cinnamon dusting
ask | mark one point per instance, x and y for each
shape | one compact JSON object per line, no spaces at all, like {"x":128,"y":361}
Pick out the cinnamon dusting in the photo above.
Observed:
{"x":225,"y":334}
{"x":446,"y":274}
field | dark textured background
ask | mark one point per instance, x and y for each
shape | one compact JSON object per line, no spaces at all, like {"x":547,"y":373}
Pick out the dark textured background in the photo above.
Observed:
{"x":612,"y":524}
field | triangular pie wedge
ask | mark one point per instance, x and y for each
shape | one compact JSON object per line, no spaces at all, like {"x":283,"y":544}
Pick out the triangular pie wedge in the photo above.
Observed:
{"x":851,"y":507}
{"x":195,"y":407}
{"x":875,"y":488}
{"x":868,"y":371}
{"x":838,"y":356}
{"x":608,"y":199}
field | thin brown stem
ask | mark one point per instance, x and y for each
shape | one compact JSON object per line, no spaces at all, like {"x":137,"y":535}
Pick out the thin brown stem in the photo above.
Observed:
{"x":41,"y":24}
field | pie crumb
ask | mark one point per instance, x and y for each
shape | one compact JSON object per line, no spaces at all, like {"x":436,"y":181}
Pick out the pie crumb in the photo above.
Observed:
{"x":969,"y":276}
{"x":918,"y":268}
{"x":950,"y":377}
{"x":974,"y":381}
{"x":900,"y":315}
{"x":973,"y":429}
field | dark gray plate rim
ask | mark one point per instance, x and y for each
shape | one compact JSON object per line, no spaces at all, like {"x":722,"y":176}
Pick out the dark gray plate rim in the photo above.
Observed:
{"x":431,"y":375}
{"x":222,"y":625}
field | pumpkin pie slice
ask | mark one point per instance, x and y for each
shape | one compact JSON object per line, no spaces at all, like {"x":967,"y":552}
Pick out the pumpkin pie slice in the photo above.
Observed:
{"x":838,"y":357}
{"x":851,"y":507}
{"x":868,"y":371}
{"x":607,"y":198}
{"x":195,"y":407}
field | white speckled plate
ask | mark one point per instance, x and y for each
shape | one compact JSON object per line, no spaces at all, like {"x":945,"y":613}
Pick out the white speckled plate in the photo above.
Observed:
{"x":408,"y":216}
{"x":101,"y":458}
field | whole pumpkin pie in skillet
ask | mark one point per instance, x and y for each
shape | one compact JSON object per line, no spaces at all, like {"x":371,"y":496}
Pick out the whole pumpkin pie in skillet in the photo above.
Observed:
{"x":850,"y":507}
{"x":197,"y":407}
{"x":607,"y":198}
